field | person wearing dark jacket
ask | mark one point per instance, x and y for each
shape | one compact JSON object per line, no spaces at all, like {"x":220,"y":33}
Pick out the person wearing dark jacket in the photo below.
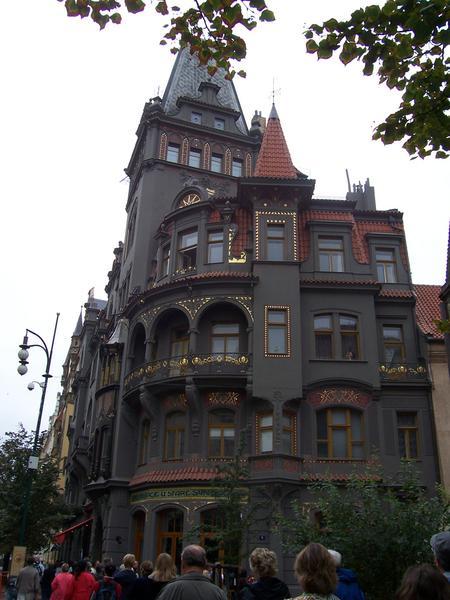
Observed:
{"x":127,"y":576}
{"x":263,"y":563}
{"x":348,"y":586}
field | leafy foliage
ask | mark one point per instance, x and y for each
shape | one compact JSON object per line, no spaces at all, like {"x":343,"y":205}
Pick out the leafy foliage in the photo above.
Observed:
{"x":208,"y":27}
{"x":443,"y":325}
{"x":234,"y":514}
{"x":46,"y":506}
{"x":406,"y":41}
{"x":380,"y":528}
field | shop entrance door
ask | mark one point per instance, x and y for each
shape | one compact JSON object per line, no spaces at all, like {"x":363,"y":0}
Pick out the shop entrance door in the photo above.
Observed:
{"x":170,"y":533}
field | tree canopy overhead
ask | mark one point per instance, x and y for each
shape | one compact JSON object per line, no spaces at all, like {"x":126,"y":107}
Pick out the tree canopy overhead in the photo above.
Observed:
{"x":403,"y":43}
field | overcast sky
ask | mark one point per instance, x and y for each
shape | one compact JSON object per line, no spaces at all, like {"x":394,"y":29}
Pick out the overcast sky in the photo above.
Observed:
{"x":70,"y":104}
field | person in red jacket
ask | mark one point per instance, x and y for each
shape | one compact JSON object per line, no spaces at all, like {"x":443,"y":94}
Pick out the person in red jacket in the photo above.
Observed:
{"x":62,"y":584}
{"x":84,"y":582}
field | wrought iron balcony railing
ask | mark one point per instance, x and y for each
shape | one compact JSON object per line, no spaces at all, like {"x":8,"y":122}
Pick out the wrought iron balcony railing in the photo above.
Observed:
{"x":231,"y":363}
{"x":403,"y":372}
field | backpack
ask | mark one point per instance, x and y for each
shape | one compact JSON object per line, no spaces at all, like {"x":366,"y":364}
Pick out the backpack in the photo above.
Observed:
{"x":106,"y":591}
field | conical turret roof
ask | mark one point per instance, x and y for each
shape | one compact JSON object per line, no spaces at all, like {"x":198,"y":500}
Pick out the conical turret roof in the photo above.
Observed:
{"x":79,"y":325}
{"x":274,"y":159}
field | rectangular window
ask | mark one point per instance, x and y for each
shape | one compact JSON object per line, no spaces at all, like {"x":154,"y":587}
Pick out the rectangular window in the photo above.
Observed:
{"x":196,"y":118}
{"x":225,"y":338}
{"x":236,"y":169}
{"x":323,"y":334}
{"x":187,"y":250}
{"x":264,"y":435}
{"x":221,"y":433}
{"x":385,"y":260}
{"x":195,"y":158}
{"x":407,"y":435}
{"x":331,"y":254}
{"x":216,"y":163}
{"x":173,"y":153}
{"x":340,"y":433}
{"x":219,"y":123}
{"x":289,"y":433}
{"x":215,"y":247}
{"x":348,"y":327}
{"x":165,"y":260}
{"x":394,"y":351}
{"x":277,"y":335}
{"x":275,"y":241}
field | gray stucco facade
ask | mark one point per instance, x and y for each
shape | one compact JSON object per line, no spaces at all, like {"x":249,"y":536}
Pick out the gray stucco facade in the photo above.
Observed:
{"x":238,"y":303}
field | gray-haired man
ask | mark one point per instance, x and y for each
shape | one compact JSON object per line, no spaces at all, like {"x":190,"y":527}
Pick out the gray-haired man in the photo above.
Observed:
{"x":440,"y":544}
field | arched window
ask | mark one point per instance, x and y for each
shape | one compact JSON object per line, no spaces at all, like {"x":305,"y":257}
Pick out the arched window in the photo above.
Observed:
{"x":144,"y":442}
{"x":221,"y":433}
{"x":174,"y":438}
{"x":340,"y":433}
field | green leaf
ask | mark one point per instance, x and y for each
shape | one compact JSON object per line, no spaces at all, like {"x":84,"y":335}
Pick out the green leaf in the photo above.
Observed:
{"x":311,"y":47}
{"x":267,"y":15}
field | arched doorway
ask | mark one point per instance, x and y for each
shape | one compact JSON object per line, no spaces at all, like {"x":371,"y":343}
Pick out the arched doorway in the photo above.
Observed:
{"x":170,"y":533}
{"x":138,"y":531}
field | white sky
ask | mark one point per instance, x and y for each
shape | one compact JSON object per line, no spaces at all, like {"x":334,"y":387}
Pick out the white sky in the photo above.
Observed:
{"x":70,"y":104}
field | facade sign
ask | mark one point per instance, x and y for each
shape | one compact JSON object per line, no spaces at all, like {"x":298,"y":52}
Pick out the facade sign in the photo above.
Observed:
{"x":182,"y":493}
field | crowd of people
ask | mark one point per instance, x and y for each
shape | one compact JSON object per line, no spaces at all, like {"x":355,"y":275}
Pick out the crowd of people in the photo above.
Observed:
{"x":319,"y":572}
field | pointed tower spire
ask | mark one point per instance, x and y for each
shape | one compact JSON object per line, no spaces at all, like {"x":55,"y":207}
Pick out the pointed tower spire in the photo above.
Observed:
{"x":274,"y":159}
{"x":79,"y":326}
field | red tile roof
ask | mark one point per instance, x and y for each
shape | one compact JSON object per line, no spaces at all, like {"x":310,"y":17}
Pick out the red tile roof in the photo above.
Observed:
{"x":338,"y":282}
{"x":274,"y":159}
{"x":175,"y":475}
{"x":389,"y":293}
{"x":428,"y":309}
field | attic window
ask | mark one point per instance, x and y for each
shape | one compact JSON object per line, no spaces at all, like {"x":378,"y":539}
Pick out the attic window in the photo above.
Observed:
{"x":219,"y":123}
{"x":196,"y":118}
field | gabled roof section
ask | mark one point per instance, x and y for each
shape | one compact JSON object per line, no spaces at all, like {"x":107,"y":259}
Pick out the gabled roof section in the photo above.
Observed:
{"x":274,"y":158}
{"x":79,"y":325}
{"x":428,"y":309}
{"x":185,"y":79}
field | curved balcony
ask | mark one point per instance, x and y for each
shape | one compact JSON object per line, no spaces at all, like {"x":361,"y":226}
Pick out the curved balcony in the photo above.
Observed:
{"x":403,"y":372}
{"x":231,"y":363}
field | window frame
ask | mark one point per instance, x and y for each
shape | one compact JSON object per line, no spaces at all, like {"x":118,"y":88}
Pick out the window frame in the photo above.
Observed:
{"x":393,"y":344}
{"x":347,"y":427}
{"x":214,"y":157}
{"x":219,"y":120}
{"x":172,"y":146}
{"x":349,"y":333}
{"x":281,"y":225}
{"x":260,"y":429}
{"x":210,"y":243}
{"x":385,"y":264}
{"x":196,"y":117}
{"x":183,"y":251}
{"x":331,"y":253}
{"x":164,"y":269}
{"x":287,"y":328}
{"x":407,"y":430}
{"x":292,"y":430}
{"x":222,"y":426}
{"x":323,"y":332}
{"x":180,"y":440}
{"x":144,"y":442}
{"x":235,"y":161}
{"x":197,"y":152}
{"x":336,"y":333}
{"x":225,"y":337}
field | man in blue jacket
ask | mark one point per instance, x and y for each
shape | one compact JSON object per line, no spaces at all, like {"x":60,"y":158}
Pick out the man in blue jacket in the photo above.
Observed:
{"x":348,"y":586}
{"x":440,"y":544}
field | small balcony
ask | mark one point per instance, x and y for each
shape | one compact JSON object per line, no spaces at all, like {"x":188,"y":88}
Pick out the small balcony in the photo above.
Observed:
{"x":403,"y":372}
{"x":230,"y":363}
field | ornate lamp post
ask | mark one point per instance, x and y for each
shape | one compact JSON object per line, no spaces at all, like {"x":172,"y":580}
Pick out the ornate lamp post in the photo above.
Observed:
{"x":22,"y":369}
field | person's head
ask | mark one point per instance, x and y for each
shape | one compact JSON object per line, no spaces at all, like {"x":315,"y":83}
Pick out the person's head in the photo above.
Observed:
{"x":315,"y":570}
{"x":423,"y":582}
{"x":263,"y":562}
{"x":29,"y":561}
{"x":146,"y":568}
{"x":193,"y":558}
{"x":165,"y":569}
{"x":440,"y":544}
{"x":128,"y":561}
{"x":109,"y":569}
{"x":336,"y":557}
{"x":79,"y":567}
{"x":65,"y":568}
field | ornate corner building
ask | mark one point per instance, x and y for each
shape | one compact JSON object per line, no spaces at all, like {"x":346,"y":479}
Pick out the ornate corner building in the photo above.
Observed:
{"x":238,"y":304}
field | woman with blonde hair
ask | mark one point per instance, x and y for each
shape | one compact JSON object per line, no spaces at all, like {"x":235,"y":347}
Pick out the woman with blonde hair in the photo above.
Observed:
{"x":165,"y":571}
{"x":316,"y":573}
{"x":263,"y":563}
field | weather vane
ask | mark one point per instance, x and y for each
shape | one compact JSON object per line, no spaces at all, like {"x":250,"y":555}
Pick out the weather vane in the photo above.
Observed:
{"x":274,"y":91}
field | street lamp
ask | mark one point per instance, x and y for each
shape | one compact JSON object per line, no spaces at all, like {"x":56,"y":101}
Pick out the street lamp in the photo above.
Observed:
{"x":23,"y":354}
